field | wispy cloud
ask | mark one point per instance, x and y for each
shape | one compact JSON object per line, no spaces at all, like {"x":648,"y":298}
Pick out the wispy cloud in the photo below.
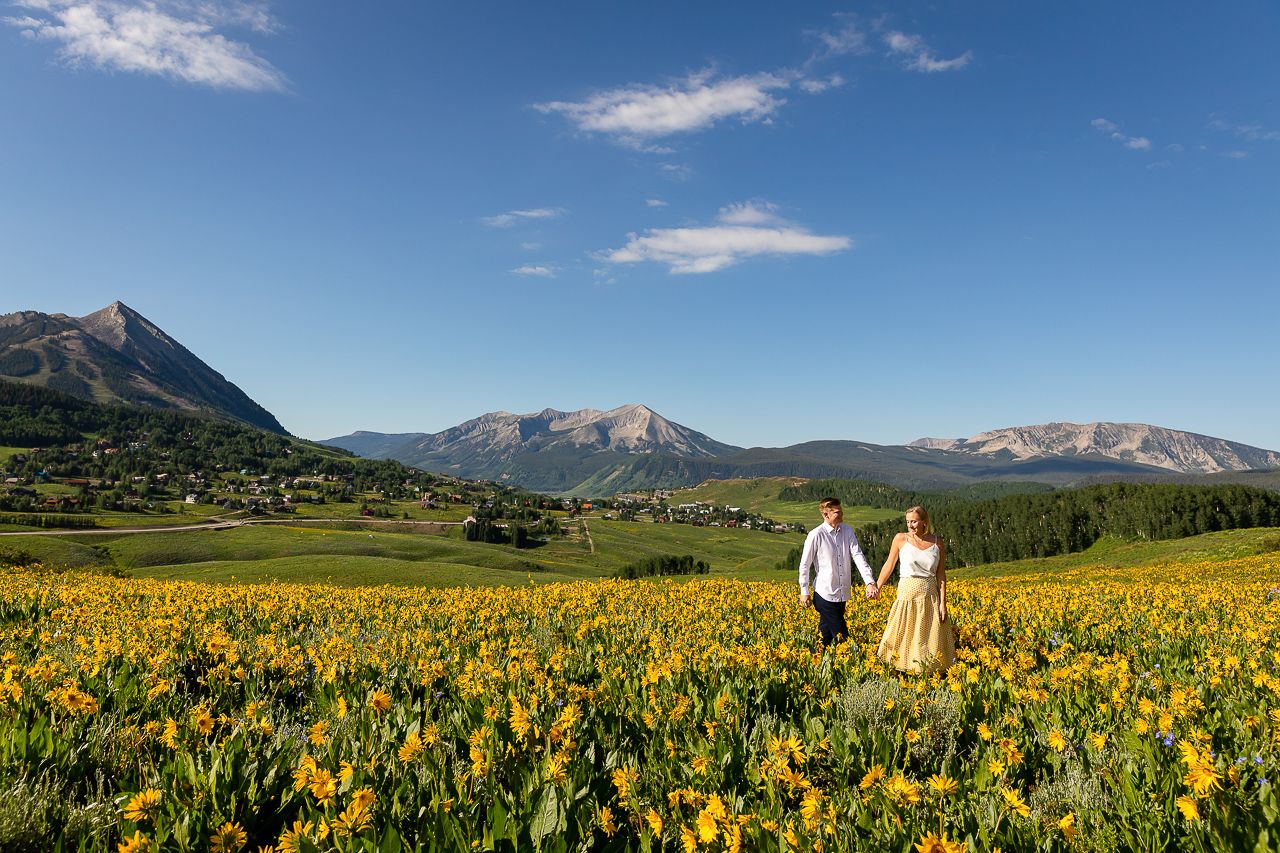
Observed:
{"x":918,"y":56}
{"x":1137,"y":143}
{"x":1247,"y":131}
{"x":848,"y":38}
{"x":743,"y":231}
{"x":531,"y":269}
{"x":813,"y":87}
{"x":655,"y":202}
{"x":502,"y":220}
{"x":636,"y":113}
{"x":176,"y":39}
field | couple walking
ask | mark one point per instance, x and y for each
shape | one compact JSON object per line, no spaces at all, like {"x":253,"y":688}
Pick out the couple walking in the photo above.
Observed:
{"x":919,"y":633}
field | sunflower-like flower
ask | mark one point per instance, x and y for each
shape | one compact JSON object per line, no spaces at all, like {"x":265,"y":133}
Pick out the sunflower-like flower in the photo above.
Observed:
{"x":143,"y":806}
{"x":228,"y":838}
{"x":932,"y":844}
{"x":1188,"y":807}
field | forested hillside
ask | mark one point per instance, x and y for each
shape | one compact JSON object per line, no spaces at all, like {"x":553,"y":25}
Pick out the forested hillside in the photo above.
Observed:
{"x":1018,"y":527}
{"x":884,"y":496}
{"x":151,"y":441}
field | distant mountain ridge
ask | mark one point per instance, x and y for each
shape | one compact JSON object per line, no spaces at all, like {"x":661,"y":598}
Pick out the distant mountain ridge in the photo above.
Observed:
{"x":589,"y":452}
{"x":1183,"y":452}
{"x":116,"y":355}
{"x":627,"y":429}
{"x":546,"y":450}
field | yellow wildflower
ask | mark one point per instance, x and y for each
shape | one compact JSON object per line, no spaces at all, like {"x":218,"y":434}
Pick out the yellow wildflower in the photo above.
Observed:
{"x":228,"y":838}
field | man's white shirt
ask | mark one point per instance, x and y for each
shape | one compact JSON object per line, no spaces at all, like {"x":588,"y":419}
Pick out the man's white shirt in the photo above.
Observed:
{"x":835,"y":549}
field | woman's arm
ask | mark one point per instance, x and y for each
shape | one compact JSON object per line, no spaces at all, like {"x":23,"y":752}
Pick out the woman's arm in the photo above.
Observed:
{"x":942,"y":581}
{"x":892,"y":561}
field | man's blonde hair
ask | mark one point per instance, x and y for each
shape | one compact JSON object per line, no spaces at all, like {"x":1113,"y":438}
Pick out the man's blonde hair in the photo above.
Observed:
{"x":828,"y":503}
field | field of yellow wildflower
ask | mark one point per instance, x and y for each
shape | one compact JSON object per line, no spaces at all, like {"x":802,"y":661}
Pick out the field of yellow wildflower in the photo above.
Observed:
{"x":1085,"y":713}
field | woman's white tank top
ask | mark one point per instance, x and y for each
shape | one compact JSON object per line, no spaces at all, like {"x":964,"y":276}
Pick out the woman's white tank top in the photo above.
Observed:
{"x":914,"y":562}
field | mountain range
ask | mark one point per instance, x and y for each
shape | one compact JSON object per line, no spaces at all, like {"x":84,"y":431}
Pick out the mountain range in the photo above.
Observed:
{"x":590,"y":452}
{"x":118,"y":356}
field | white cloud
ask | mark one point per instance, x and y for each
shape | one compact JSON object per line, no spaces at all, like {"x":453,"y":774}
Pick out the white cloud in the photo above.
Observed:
{"x":502,"y":220}
{"x":745,"y":230}
{"x":1236,"y":155}
{"x":170,"y":38}
{"x":531,"y":246}
{"x":813,"y":87}
{"x":655,"y":202}
{"x":920,"y":57}
{"x":1136,"y":143}
{"x":1248,"y":131}
{"x":635,"y":113}
{"x":530,"y":269}
{"x":750,"y":213}
{"x":847,"y":39}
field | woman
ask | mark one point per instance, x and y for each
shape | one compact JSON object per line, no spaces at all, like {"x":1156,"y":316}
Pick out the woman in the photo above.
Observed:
{"x":918,"y":633}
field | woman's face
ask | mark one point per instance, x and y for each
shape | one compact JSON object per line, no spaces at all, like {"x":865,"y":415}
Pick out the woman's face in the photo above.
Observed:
{"x":913,"y":524}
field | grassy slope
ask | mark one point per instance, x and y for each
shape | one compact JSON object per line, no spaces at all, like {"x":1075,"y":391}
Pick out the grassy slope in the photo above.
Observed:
{"x":761,"y":495}
{"x":726,"y":550}
{"x":387,"y":554}
{"x":1113,"y":554}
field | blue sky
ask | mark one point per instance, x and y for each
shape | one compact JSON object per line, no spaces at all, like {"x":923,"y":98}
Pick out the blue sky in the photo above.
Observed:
{"x":771,"y":222}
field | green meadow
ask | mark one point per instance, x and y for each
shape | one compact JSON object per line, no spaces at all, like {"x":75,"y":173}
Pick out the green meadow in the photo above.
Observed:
{"x":357,"y":554}
{"x":1109,"y":555}
{"x":761,"y":495}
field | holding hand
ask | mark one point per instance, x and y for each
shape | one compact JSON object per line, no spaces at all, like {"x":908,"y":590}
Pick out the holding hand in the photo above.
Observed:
{"x":873,"y":591}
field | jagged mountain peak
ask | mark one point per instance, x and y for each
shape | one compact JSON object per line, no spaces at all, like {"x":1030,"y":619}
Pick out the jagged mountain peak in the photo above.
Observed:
{"x":117,"y":325}
{"x":497,"y":438}
{"x":116,"y":355}
{"x":1184,"y":452}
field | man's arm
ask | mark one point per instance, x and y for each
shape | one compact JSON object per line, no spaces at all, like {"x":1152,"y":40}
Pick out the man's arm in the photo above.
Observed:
{"x":806,"y":561}
{"x":864,"y":568}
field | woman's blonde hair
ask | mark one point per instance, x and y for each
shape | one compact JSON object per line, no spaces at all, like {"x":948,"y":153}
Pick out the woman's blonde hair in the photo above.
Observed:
{"x":923,"y":515}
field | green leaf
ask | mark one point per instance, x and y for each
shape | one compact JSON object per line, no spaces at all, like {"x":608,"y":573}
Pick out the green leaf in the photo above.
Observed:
{"x":497,"y":821}
{"x":390,"y":841}
{"x":545,"y":815}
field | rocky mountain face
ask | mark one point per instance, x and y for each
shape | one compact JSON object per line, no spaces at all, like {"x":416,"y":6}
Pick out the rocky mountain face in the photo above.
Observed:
{"x":118,"y":356}
{"x":592,"y":453}
{"x":1183,"y":452}
{"x":627,"y":429}
{"x":548,"y":450}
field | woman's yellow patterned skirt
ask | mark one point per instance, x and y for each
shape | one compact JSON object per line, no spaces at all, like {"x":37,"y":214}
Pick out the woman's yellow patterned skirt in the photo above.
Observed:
{"x":915,"y":635}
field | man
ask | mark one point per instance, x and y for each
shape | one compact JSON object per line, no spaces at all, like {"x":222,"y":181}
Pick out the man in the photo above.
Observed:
{"x":835,"y":548}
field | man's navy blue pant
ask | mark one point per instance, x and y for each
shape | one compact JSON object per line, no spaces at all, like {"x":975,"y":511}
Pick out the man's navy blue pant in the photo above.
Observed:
{"x":831,"y":624}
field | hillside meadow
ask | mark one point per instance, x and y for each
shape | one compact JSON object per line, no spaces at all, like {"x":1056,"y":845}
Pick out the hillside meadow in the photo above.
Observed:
{"x":1128,"y":704}
{"x":351,"y":553}
{"x":761,"y":495}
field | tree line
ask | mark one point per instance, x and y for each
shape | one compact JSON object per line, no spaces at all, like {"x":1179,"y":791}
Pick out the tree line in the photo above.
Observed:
{"x":1019,"y":527}
{"x":661,"y":565}
{"x":884,"y":496}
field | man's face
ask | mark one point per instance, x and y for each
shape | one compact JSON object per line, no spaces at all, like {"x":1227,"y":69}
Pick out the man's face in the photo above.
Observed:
{"x":834,"y":515}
